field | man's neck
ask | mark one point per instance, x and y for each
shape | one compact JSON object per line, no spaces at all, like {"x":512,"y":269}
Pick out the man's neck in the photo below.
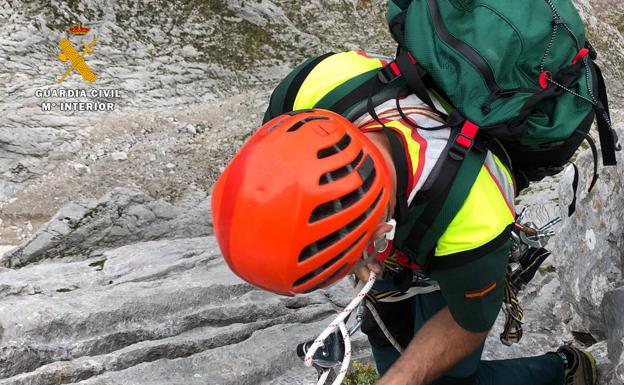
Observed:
{"x":380,"y":140}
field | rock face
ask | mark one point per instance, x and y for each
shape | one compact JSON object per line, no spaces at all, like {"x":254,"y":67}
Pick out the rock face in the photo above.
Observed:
{"x":119,"y":218}
{"x":163,"y":312}
{"x":207,"y":64}
{"x":173,"y":70}
{"x":590,"y":258}
{"x":613,"y":318}
{"x":85,"y":303}
{"x":159,"y":56}
{"x":577,"y":295}
{"x":594,"y":262}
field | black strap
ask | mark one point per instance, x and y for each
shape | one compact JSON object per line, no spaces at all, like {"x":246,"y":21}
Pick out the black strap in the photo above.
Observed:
{"x":361,"y":107}
{"x":404,"y":92}
{"x":572,"y":206}
{"x":438,"y":194}
{"x":295,"y":85}
{"x":370,"y":87}
{"x":444,"y":173}
{"x":575,"y":181}
{"x":400,"y":165}
{"x":397,"y":28}
{"x":594,"y":151}
{"x":608,"y":137}
{"x":413,"y":75}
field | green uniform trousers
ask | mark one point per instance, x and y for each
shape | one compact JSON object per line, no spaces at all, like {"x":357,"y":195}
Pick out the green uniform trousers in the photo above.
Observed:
{"x":546,"y":369}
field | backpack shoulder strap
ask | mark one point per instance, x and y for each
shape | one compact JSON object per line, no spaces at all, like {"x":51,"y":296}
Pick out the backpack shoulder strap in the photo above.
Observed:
{"x":359,"y":89}
{"x":400,"y":165}
{"x":440,"y":212}
{"x":283,"y":97}
{"x":427,"y":221}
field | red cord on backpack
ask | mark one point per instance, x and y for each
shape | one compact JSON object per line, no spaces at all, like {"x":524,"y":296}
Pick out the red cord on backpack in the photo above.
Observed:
{"x":581,"y":54}
{"x":544,"y":78}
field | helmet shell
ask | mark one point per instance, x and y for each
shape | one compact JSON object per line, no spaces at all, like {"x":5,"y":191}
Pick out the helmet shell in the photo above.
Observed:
{"x":297,"y":205}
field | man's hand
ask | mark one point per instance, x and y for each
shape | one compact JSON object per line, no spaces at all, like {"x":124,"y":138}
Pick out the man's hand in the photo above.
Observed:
{"x":438,"y":345}
{"x":374,"y":266}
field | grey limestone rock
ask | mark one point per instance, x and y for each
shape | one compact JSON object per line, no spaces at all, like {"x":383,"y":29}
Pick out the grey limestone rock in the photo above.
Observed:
{"x":120,"y":217}
{"x":128,"y":289}
{"x":166,"y":312}
{"x":590,"y":259}
{"x":613,"y":317}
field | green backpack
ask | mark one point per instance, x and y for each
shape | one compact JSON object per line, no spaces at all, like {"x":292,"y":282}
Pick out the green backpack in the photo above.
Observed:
{"x":519,"y":81}
{"x":524,"y":73}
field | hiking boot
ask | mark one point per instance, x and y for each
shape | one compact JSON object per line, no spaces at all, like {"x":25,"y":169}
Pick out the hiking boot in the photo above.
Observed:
{"x":580,"y":366}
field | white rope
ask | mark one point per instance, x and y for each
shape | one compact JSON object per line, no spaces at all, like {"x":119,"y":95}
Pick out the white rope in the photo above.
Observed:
{"x":383,"y":328}
{"x":346,"y":361}
{"x":411,"y":292}
{"x":338,"y":323}
{"x":323,"y":377}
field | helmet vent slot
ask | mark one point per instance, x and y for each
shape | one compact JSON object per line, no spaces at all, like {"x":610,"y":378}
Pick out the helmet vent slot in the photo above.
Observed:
{"x":300,"y":123}
{"x":336,"y":148}
{"x":331,"y":277}
{"x":367,"y":170}
{"x":329,"y":208}
{"x":327,"y":265}
{"x":322,"y":244}
{"x":326,"y":280}
{"x":341,"y":172}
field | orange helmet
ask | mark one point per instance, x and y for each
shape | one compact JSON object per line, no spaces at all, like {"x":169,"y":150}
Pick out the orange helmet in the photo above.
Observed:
{"x":297,"y":205}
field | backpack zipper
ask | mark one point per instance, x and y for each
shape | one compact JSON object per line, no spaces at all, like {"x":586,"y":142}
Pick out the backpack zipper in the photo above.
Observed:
{"x":474,"y":58}
{"x":467,"y":51}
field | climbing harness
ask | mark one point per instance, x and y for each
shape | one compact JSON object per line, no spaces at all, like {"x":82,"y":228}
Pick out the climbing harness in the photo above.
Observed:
{"x":333,"y":346}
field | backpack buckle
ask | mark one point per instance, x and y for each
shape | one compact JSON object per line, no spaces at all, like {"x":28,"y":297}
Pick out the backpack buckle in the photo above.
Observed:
{"x":389,"y":72}
{"x":464,"y":141}
{"x":461,"y":146}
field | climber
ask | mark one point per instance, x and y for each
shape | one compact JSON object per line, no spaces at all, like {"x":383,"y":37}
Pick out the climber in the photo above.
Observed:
{"x":298,"y":205}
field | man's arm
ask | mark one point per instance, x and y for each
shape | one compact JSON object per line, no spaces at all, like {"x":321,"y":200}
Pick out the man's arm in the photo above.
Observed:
{"x":437,"y":346}
{"x":473,"y":293}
